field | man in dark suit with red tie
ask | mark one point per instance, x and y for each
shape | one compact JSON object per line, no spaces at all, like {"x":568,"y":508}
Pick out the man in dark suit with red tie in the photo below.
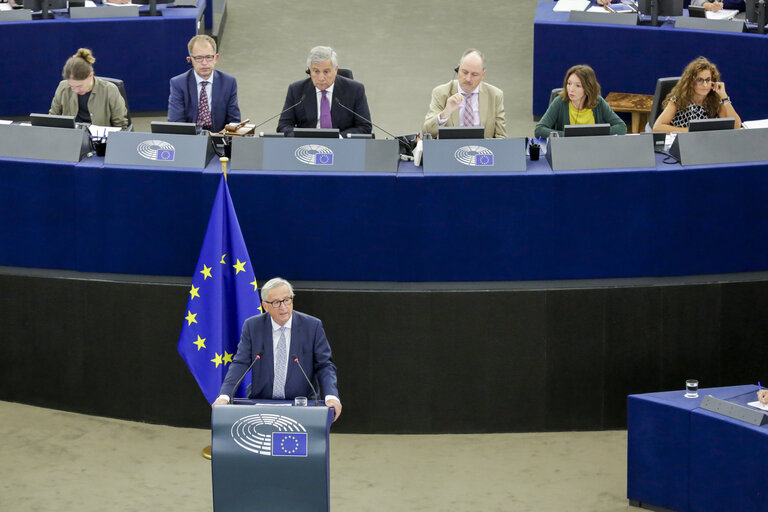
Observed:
{"x":320,"y":99}
{"x":282,"y":339}
{"x":203,"y":95}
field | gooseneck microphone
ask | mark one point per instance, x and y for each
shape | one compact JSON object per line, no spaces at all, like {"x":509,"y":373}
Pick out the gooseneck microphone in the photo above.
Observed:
{"x":296,"y":360}
{"x":240,"y":380}
{"x":399,"y":138}
{"x":281,"y":113}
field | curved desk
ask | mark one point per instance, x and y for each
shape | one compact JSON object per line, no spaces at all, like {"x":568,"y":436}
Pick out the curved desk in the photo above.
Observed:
{"x":535,"y":225}
{"x":631,"y":58}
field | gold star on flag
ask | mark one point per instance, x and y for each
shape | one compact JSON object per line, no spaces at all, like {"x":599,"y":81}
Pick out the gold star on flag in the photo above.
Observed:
{"x":239,"y":266}
{"x":222,"y":259}
{"x":206,"y":272}
{"x":217,"y":360}
{"x":255,"y":285}
{"x":227,"y":358}
{"x":200,"y":342}
{"x":191,"y":318}
{"x":193,"y":292}
{"x":260,"y":310}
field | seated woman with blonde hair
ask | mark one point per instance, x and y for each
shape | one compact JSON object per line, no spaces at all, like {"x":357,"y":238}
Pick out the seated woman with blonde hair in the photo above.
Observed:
{"x":698,"y":95}
{"x":579,"y":103}
{"x":88,"y":98}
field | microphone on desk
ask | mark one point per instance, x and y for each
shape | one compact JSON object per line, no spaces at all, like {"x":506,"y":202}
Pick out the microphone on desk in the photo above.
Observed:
{"x":295,"y":359}
{"x":400,"y":138}
{"x":240,"y":380}
{"x":281,"y":113}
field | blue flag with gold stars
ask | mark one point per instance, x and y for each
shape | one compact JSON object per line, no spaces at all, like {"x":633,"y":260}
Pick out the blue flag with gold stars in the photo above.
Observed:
{"x":224,"y":294}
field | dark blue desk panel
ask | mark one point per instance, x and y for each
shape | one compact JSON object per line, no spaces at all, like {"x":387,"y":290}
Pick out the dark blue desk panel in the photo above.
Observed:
{"x":631,"y":58}
{"x":535,"y":225}
{"x":687,"y":459}
{"x":145,"y":52}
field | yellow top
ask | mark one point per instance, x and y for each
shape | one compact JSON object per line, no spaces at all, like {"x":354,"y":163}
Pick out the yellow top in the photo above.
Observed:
{"x":584,"y":116}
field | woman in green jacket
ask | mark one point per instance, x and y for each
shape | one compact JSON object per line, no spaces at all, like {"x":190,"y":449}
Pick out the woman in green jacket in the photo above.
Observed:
{"x":579,"y":103}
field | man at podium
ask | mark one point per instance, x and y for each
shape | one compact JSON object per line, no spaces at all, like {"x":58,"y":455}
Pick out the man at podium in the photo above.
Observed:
{"x":285,"y":342}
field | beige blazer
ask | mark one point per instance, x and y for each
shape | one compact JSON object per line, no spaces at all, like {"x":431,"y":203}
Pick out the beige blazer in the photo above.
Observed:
{"x":106,"y":105}
{"x":491,"y":106}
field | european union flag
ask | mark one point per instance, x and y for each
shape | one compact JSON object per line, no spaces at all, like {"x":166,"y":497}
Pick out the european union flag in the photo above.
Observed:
{"x":484,"y":160}
{"x":224,"y":294}
{"x":324,"y":159}
{"x":289,"y":444}
{"x":166,"y":154}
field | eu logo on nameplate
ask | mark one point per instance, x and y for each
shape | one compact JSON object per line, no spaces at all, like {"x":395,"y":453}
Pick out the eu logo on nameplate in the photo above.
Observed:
{"x":289,"y":444}
{"x":165,"y":154}
{"x":484,"y":160}
{"x":324,"y":159}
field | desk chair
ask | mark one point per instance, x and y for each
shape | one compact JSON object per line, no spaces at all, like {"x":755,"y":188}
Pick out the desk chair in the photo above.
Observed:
{"x":121,"y":87}
{"x":663,"y":86}
{"x":554,"y":94}
{"x":345,"y":72}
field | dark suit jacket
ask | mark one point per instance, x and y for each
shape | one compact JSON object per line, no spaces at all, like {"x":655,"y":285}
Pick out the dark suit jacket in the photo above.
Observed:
{"x":349,"y":92}
{"x":183,"y":101}
{"x":308,"y":343}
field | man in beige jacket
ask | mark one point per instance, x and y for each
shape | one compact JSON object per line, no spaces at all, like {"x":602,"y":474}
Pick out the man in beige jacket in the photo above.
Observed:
{"x":467,"y":101}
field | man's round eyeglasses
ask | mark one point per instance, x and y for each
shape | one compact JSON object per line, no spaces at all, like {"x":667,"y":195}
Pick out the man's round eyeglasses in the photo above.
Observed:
{"x":203,"y":58}
{"x":277,"y":303}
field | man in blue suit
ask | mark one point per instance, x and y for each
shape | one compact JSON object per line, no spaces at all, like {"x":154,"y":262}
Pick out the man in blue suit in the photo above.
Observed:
{"x":282,"y":339}
{"x":203,"y":95}
{"x":320,"y":100}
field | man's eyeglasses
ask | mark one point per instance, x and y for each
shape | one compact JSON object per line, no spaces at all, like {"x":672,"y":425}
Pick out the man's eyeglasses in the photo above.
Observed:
{"x":700,"y":81}
{"x":203,"y":58}
{"x":277,"y":303}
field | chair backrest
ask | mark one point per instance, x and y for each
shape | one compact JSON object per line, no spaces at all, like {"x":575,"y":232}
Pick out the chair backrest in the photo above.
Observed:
{"x":663,"y":86}
{"x":120,"y":87}
{"x":555,"y":92}
{"x":345,"y":72}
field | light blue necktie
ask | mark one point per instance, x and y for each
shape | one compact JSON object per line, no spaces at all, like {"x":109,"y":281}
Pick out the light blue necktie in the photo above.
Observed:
{"x":281,"y":367}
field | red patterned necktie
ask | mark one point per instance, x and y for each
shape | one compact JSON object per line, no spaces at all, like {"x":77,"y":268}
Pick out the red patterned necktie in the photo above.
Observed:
{"x":204,"y":110}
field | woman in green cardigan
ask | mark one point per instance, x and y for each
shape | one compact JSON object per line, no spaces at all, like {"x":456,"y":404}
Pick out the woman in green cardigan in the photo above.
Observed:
{"x":579,"y":103}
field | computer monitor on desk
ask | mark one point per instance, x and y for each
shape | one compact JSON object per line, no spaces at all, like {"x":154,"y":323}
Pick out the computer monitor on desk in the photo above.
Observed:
{"x":316,"y":133}
{"x":174,"y":128}
{"x":152,"y":4}
{"x":717,"y":123}
{"x":586,"y":130}
{"x":44,"y":6}
{"x":656,"y":8}
{"x":461,"y":132}
{"x":52,"y":120}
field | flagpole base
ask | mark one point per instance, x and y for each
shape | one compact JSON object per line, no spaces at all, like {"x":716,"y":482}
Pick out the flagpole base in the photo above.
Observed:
{"x":206,"y":453}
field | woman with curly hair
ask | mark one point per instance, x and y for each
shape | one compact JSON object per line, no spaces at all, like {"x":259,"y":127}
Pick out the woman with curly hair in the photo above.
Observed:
{"x":698,"y":95}
{"x":87,"y":97}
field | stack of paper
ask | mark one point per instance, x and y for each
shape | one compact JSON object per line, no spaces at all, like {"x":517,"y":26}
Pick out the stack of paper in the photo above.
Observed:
{"x":571,"y":5}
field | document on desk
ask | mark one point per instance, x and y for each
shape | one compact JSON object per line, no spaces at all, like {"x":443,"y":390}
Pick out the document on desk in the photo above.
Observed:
{"x":757,"y":123}
{"x":722,"y":14}
{"x":758,"y":405}
{"x":613,"y":9}
{"x":571,"y":5}
{"x":5,"y":7}
{"x":102,"y":132}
